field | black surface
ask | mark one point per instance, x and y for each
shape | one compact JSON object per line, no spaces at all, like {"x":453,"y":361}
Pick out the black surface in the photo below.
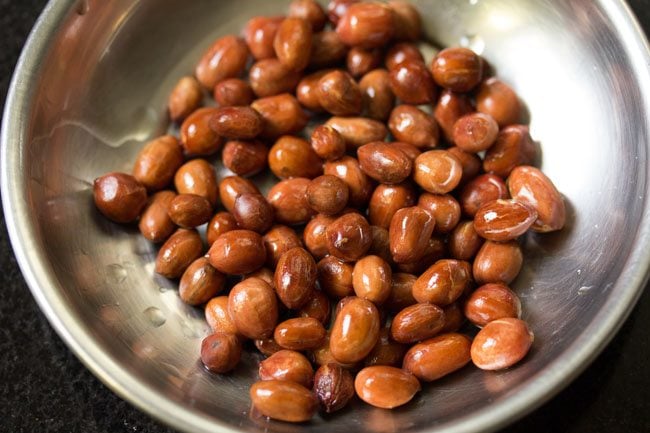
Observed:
{"x":44,"y":388}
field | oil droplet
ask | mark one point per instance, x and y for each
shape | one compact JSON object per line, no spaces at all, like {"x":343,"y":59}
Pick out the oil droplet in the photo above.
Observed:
{"x":116,"y":273}
{"x":155,"y":316}
{"x":473,"y":42}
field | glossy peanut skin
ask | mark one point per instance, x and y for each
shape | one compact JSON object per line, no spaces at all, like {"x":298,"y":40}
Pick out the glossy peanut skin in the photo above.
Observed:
{"x":155,"y":224}
{"x":327,"y":143}
{"x":269,"y":77}
{"x":237,"y":252}
{"x":475,"y":132}
{"x":464,"y":242}
{"x":119,"y":197}
{"x":388,"y":199}
{"x":380,"y":244}
{"x":411,"y":151}
{"x":411,"y":82}
{"x":157,"y":162}
{"x":277,"y":241}
{"x":310,"y":11}
{"x":315,"y":235}
{"x":197,"y":177}
{"x":434,"y":251}
{"x":328,"y":194}
{"x":411,"y":125}
{"x":378,"y":98}
{"x":349,"y":171}
{"x":178,"y":252}
{"x":241,"y":123}
{"x":529,"y":185}
{"x":287,"y":365}
{"x":289,"y":201}
{"x":471,"y":164}
{"x":454,"y":318}
{"x":327,"y":50}
{"x":220,"y":352}
{"x":218,"y":317}
{"x":355,"y":331}
{"x":189,"y":210}
{"x":197,"y":136}
{"x":292,"y":43}
{"x":245,"y":158}
{"x":357,"y":131}
{"x":337,"y":8}
{"x":301,"y":333}
{"x":335,"y":277}
{"x":333,"y":386}
{"x":513,"y":147}
{"x":200,"y":282}
{"x":402,"y":52}
{"x":371,"y":279}
{"x":264,"y":274}
{"x":339,"y":94}
{"x":408,"y":24}
{"x":438,"y":356}
{"x":385,"y":387}
{"x":283,"y":400}
{"x":220,"y":223}
{"x":384,"y":163}
{"x":437,"y":171}
{"x":267,"y":346}
{"x":496,"y":98}
{"x":401,"y":294}
{"x":504,"y":220}
{"x":282,"y":115}
{"x":367,"y":25}
{"x":501,"y":344}
{"x":225,"y":58}
{"x":457,"y":69}
{"x":417,"y":322}
{"x":497,"y":262}
{"x":359,"y":61}
{"x":253,"y":212}
{"x":232,"y":187}
{"x":317,"y":307}
{"x":443,"y":282}
{"x":444,"y":209}
{"x":307,"y":91}
{"x":451,"y":107}
{"x":253,"y":308}
{"x":184,"y":98}
{"x":293,"y":157}
{"x":233,"y":92}
{"x":259,"y":34}
{"x":410,"y":230}
{"x":480,"y":191}
{"x":386,"y":351}
{"x":349,"y":237}
{"x":491,"y":302}
{"x":295,"y":276}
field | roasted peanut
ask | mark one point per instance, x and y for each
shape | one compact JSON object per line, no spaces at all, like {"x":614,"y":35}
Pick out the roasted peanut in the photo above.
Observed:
{"x":501,"y":344}
{"x":310,"y":11}
{"x":237,"y":252}
{"x":411,"y":82}
{"x":327,"y":50}
{"x":293,"y":157}
{"x":497,"y":262}
{"x":157,"y":162}
{"x":220,"y":353}
{"x":287,"y":365}
{"x":410,"y":230}
{"x":480,"y":191}
{"x":289,"y":201}
{"x":349,"y":171}
{"x":327,"y":143}
{"x":386,"y":351}
{"x":315,"y":235}
{"x":295,"y":276}
{"x":293,"y":42}
{"x":253,"y":308}
{"x":337,"y":8}
{"x":360,"y":61}
{"x":283,"y":400}
{"x":282,"y":115}
{"x":454,"y":318}
{"x":242,"y":123}
{"x":349,"y":237}
{"x":269,"y":77}
{"x":119,"y":197}
{"x":470,"y":162}
{"x":307,"y":91}
{"x":339,"y":94}
{"x":380,"y":244}
{"x":384,"y":163}
{"x":412,"y":125}
{"x":378,"y":98}
{"x":264,"y":274}
{"x":155,"y":224}
{"x":401,"y":292}
{"x":200,"y":282}
{"x":367,"y":25}
{"x":491,"y":302}
{"x":438,"y":356}
{"x":402,"y":52}
{"x":335,"y":277}
{"x":513,"y":147}
{"x":475,"y":132}
{"x":497,"y":99}
{"x":437,"y":171}
{"x":388,"y":199}
{"x":457,"y":69}
{"x":277,"y":241}
{"x":259,"y":34}
{"x":218,"y":317}
{"x":301,"y":333}
{"x":529,"y":185}
{"x":451,"y":107}
{"x":189,"y":210}
{"x":178,"y":252}
{"x":328,"y":194}
{"x":504,"y":220}
{"x":245,"y":158}
{"x":225,"y":58}
{"x":197,"y":137}
{"x":385,"y":387}
{"x":444,"y":209}
{"x":464,"y":242}
{"x":408,"y":24}
{"x":357,"y":131}
{"x":233,"y":92}
{"x":267,"y":346}
{"x":232,"y":187}
{"x":318,"y":307}
{"x":333,"y":386}
{"x":435,"y":250}
{"x":443,"y":282}
{"x":417,"y":322}
{"x":197,"y":177}
{"x":355,"y":331}
{"x":184,"y":98}
{"x":253,"y":212}
{"x":371,"y":279}
{"x":323,"y":356}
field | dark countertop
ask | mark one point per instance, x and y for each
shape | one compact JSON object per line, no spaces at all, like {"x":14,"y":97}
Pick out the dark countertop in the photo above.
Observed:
{"x":43,"y":387}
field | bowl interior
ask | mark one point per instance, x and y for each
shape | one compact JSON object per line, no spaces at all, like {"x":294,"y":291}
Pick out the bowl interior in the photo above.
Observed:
{"x":100,"y":91}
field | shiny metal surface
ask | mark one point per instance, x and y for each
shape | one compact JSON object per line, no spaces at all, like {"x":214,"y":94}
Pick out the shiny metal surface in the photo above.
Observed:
{"x":90,"y":89}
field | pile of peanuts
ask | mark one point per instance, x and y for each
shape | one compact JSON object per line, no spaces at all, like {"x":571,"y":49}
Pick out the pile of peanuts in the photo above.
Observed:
{"x":407,"y":238}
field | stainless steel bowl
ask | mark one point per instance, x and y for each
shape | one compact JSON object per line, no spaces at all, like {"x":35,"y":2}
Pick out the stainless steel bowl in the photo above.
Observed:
{"x":90,"y":89}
